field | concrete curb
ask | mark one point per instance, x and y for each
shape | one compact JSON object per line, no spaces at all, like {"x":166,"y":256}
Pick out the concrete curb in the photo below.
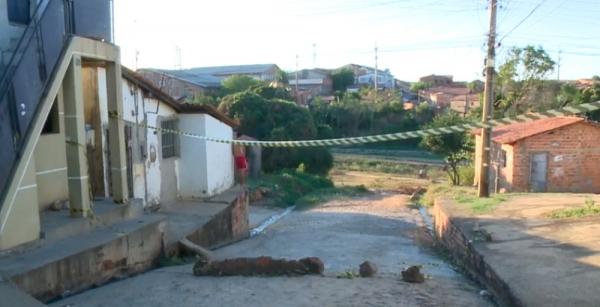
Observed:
{"x":464,"y":253}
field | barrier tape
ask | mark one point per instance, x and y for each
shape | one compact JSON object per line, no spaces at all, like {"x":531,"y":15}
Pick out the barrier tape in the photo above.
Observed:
{"x":569,"y":110}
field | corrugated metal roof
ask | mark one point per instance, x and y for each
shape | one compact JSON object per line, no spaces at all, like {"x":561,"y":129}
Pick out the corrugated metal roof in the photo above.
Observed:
{"x":214,"y":76}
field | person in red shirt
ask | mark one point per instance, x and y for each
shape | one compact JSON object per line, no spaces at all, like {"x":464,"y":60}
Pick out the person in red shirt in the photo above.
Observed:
{"x":241,"y":163}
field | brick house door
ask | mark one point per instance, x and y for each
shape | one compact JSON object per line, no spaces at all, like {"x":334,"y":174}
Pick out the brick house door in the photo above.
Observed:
{"x":539,"y":170}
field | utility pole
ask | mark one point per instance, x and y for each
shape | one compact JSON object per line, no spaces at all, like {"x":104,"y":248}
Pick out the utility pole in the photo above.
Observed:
{"x":314,"y":55}
{"x":297,"y":97}
{"x":484,"y":146}
{"x":376,"y":69}
{"x":178,"y":58}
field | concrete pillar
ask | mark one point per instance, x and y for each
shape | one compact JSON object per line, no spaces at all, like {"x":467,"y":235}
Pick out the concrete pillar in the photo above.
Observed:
{"x":116,"y":133}
{"x":77,"y":167}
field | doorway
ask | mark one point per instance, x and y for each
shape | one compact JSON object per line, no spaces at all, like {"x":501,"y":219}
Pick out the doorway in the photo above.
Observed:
{"x":539,"y":172}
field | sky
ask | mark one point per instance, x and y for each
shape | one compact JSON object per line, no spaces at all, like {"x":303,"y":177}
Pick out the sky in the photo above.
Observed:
{"x":414,"y":37}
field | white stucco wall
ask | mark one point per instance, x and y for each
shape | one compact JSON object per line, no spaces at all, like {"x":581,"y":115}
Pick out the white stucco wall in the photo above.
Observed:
{"x":206,"y":168}
{"x":153,"y":112}
{"x":201,"y":170}
{"x":220,"y":167}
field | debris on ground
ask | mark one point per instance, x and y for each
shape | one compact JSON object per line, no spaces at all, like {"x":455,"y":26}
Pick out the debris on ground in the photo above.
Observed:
{"x":481,"y":234}
{"x":367,"y":269}
{"x":485,"y":293}
{"x":348,"y":275}
{"x":413,"y":274}
{"x":265,"y":266}
{"x":191,"y":247}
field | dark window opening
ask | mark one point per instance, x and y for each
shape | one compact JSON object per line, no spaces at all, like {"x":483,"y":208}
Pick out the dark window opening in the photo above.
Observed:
{"x":503,"y":157}
{"x":18,"y":11}
{"x":52,"y":124}
{"x":169,"y":140}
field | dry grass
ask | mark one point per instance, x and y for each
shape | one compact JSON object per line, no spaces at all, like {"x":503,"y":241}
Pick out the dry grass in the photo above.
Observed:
{"x":377,"y":181}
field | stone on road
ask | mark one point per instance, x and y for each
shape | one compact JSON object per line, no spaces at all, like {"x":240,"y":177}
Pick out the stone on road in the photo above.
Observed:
{"x":342,"y":233}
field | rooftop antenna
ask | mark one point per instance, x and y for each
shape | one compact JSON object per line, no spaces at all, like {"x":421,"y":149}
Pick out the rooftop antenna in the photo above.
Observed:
{"x":137,"y":57}
{"x":376,"y":69}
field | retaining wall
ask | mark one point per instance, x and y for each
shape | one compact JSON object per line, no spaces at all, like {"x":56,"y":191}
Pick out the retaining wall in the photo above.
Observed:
{"x":454,"y":236}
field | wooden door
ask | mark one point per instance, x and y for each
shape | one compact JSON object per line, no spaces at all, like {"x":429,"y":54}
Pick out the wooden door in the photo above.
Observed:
{"x":539,"y":172}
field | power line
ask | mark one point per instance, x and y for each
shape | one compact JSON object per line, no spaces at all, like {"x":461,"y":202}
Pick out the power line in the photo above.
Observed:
{"x":522,"y":20}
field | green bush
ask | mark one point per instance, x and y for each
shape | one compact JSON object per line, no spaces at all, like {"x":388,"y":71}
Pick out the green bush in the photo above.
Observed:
{"x":466,"y":174}
{"x":287,"y":186}
{"x":278,"y":120}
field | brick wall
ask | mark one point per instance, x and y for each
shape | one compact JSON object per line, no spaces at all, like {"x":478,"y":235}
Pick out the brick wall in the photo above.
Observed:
{"x":573,"y":159}
{"x":452,"y":234}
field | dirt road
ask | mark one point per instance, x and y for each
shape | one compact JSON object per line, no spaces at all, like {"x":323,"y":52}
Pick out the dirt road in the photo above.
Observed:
{"x":343,"y":233}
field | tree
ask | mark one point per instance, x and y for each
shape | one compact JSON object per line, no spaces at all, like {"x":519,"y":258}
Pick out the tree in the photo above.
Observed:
{"x":519,"y":77}
{"x":239,"y":83}
{"x":278,"y":120}
{"x":456,"y":147}
{"x":205,"y":99}
{"x":341,"y":79}
{"x":419,"y":86}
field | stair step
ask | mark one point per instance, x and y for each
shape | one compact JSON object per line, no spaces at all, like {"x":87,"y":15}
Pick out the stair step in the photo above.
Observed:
{"x":59,"y":224}
{"x":70,"y":265}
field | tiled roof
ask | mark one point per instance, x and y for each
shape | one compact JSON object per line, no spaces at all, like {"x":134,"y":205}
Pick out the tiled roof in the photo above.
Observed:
{"x":508,"y":134}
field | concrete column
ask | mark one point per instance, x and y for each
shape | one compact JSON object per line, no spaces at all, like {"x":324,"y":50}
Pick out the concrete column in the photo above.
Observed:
{"x":116,"y":133}
{"x":77,"y":167}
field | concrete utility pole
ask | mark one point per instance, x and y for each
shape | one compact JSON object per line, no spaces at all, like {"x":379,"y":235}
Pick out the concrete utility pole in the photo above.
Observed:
{"x":376,"y":85}
{"x":484,"y":146}
{"x":314,"y":55}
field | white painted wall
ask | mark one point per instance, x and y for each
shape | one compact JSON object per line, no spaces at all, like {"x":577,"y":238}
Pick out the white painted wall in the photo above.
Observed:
{"x":201,"y":170}
{"x":154,"y":112}
{"x":219,"y":157}
{"x":206,"y":168}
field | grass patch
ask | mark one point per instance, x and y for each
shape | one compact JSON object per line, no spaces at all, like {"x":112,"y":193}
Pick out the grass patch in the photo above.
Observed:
{"x":382,"y":165}
{"x":324,"y":195}
{"x":590,"y":208}
{"x":304,"y":190}
{"x":286,"y":187}
{"x":464,"y":196}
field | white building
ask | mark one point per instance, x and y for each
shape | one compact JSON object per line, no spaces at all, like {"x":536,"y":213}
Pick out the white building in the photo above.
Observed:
{"x":164,"y":167}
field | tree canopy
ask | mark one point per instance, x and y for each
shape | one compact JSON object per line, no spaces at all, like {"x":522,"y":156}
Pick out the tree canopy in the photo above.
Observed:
{"x":455,"y":147}
{"x":341,"y":79}
{"x":523,"y":72}
{"x":239,"y":83}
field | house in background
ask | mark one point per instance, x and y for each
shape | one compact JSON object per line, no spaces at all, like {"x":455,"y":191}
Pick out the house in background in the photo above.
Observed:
{"x":558,"y":154}
{"x":311,"y":83}
{"x":186,"y":83}
{"x":179,"y":84}
{"x":365,"y":76}
{"x":457,"y":97}
{"x":437,"y":80}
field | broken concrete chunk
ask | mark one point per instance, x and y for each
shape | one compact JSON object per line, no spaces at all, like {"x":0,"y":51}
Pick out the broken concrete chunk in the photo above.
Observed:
{"x":367,"y":269}
{"x":266,"y":266}
{"x":413,"y":274}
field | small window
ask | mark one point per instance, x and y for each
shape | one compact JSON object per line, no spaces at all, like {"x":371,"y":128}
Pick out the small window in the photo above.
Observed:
{"x":52,"y":124}
{"x":169,"y":140}
{"x":18,"y":11}
{"x":503,"y":157}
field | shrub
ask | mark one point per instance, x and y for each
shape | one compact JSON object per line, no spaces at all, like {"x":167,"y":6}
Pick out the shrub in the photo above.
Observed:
{"x":466,"y":174}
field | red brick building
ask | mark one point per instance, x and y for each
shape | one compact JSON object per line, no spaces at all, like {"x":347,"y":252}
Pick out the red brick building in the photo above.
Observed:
{"x":560,"y":154}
